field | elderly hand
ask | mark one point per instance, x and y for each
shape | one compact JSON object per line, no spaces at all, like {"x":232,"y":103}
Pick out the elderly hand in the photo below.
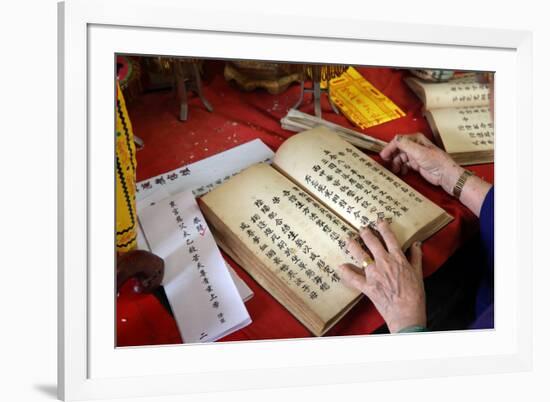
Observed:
{"x":415,"y":151}
{"x":393,"y":283}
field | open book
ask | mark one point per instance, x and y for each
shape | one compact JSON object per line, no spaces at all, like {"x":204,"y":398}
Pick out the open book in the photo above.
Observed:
{"x":459,"y":116}
{"x":287,"y":225}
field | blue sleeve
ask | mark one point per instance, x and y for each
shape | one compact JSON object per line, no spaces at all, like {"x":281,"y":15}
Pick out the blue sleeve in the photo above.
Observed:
{"x":486,"y":224}
{"x":485,"y":295}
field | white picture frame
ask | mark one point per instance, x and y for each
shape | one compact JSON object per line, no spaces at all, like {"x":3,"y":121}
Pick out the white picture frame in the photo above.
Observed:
{"x":91,"y":32}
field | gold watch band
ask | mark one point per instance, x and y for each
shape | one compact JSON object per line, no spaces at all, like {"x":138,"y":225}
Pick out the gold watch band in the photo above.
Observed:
{"x":457,"y":190}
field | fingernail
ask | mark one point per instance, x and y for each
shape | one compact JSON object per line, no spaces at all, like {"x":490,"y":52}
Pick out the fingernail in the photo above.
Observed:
{"x":418,"y":244}
{"x":379,"y":220}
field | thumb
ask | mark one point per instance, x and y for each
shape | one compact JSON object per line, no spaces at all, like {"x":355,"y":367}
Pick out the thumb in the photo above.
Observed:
{"x":416,"y":256}
{"x":351,"y":277}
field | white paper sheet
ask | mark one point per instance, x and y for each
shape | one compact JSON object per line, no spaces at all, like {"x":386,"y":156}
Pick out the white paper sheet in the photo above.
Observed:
{"x":159,"y":194}
{"x":153,"y":197}
{"x":203,"y":297}
{"x":245,"y":292}
{"x":202,"y":176}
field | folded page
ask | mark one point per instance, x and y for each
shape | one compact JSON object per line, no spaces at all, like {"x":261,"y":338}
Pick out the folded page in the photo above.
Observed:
{"x":203,"y":297}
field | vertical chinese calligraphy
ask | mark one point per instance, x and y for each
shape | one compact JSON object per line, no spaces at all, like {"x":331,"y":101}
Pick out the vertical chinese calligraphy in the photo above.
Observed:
{"x":360,"y":197}
{"x":203,"y":297}
{"x":194,"y":253}
{"x":281,"y":241}
{"x":475,"y":124}
{"x":355,"y":187}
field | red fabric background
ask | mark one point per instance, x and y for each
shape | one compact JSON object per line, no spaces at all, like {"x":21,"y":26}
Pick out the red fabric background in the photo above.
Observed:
{"x":239,"y":117}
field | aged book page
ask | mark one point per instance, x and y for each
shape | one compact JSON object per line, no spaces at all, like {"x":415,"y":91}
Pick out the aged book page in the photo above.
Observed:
{"x":356,"y":187}
{"x":288,"y":241}
{"x":467,"y":129}
{"x":454,"y":93}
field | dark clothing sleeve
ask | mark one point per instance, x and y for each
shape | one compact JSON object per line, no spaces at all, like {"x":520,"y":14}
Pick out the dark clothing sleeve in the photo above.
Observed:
{"x":486,"y":223}
{"x":485,"y":295}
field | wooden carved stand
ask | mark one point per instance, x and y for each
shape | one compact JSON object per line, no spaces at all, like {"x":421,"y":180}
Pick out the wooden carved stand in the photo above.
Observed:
{"x":275,"y":78}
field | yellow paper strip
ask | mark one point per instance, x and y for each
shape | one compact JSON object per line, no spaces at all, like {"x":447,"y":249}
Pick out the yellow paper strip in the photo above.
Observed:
{"x":363,"y":104}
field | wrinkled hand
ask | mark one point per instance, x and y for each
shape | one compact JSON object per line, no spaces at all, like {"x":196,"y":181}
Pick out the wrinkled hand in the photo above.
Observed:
{"x":416,"y":152}
{"x":391,"y":282}
{"x":146,"y":267}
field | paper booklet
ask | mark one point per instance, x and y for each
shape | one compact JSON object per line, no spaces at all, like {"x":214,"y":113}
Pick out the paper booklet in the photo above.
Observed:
{"x":459,"y":115}
{"x":202,"y":176}
{"x":360,"y":101}
{"x":204,"y":299}
{"x":287,"y":225}
{"x":199,"y":178}
{"x":159,"y":194}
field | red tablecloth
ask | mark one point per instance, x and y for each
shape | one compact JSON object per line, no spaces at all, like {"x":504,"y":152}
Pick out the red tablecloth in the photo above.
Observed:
{"x":239,"y":117}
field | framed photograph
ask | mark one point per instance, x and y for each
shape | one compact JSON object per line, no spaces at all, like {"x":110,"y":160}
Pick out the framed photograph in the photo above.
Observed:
{"x":183,"y":133}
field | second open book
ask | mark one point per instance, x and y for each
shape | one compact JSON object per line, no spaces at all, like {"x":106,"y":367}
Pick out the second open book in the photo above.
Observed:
{"x":287,"y":224}
{"x":458,"y":112}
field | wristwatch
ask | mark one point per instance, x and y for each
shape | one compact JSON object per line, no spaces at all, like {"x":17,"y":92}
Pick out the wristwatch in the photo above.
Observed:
{"x":457,"y":190}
